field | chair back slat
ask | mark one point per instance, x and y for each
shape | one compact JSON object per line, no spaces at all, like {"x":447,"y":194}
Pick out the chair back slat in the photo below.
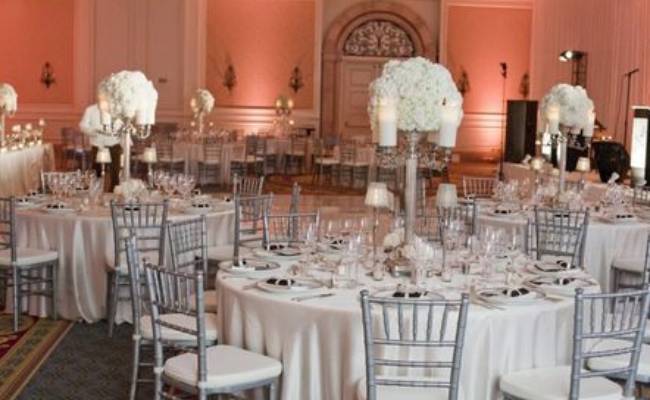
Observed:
{"x":147,"y":221}
{"x":421,"y":324}
{"x":8,"y":225}
{"x":188,"y":244}
{"x":289,"y":228}
{"x":478,"y":187}
{"x":248,"y":185}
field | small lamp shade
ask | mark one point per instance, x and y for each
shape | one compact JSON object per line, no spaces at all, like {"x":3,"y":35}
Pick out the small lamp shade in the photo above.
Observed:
{"x":583,"y":165}
{"x":378,"y":195}
{"x":447,"y":195}
{"x":149,"y":155}
{"x":103,"y":156}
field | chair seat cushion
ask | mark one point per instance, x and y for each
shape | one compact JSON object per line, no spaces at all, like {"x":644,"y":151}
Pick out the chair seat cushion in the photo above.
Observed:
{"x":620,"y":361}
{"x":183,"y":320}
{"x":629,"y":264}
{"x":26,"y":256}
{"x":555,"y":384}
{"x":227,"y":367}
{"x":226,"y":252}
{"x":402,"y":392}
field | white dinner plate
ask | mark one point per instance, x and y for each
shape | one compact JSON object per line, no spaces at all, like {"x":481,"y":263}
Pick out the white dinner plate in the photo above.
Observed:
{"x":514,"y":296}
{"x":297,"y":286}
{"x":252,"y":267}
{"x":278,"y":255}
{"x":563,"y":286}
{"x":550,"y":268}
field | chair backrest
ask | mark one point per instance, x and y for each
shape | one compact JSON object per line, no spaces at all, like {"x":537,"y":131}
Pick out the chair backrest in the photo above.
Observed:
{"x":561,"y":232}
{"x":188,"y":242}
{"x":134,"y":264}
{"x":294,"y":206}
{"x":426,"y":227}
{"x":8,"y":225}
{"x":249,"y":218}
{"x":247,"y":185}
{"x":212,"y":149}
{"x":465,"y":212}
{"x":603,"y":316}
{"x":478,"y":187}
{"x":298,"y":144}
{"x":641,"y":196}
{"x":406,"y":327}
{"x":147,"y":221}
{"x":251,"y":145}
{"x":289,"y":228}
{"x":348,"y":151}
{"x":165,"y":148}
{"x":176,"y":292}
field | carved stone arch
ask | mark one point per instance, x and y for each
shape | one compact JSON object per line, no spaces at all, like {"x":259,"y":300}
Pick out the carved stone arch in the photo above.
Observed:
{"x":398,"y":15}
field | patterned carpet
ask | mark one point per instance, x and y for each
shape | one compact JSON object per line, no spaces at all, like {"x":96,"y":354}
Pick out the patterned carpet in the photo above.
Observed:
{"x":22,"y":353}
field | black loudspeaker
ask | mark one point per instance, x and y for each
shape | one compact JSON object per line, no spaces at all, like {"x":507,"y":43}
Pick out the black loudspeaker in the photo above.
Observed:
{"x":521,"y":130}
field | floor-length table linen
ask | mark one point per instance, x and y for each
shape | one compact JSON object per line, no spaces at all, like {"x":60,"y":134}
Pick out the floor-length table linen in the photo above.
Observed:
{"x":20,"y":169}
{"x":320,"y":342}
{"x":85,"y":246}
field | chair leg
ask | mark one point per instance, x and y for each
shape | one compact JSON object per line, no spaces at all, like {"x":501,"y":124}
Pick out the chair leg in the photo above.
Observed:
{"x":17,"y":297}
{"x":54,"y":283}
{"x":273,"y":387}
{"x":113,"y":293}
{"x":135,"y":367}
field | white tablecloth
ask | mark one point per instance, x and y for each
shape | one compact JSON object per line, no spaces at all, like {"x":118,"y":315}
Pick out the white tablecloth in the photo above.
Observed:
{"x":85,"y":246}
{"x":20,"y":169}
{"x":320,"y":341}
{"x":604,"y":241}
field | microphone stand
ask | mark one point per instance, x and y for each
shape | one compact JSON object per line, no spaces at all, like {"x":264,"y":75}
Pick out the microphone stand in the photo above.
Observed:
{"x":628,"y":76}
{"x":504,"y":75}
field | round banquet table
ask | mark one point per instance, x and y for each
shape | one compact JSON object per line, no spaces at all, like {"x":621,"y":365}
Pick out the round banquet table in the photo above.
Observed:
{"x":604,"y":242}
{"x":21,"y":168}
{"x":84,"y":241}
{"x":320,"y":341}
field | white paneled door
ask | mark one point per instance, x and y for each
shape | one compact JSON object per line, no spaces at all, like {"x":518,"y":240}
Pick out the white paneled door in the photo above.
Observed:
{"x":356,"y":74}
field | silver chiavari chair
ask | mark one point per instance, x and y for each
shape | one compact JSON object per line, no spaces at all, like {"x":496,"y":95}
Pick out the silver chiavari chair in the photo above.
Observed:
{"x":416,"y":327}
{"x":561,"y":233}
{"x":289,"y":228}
{"x":296,"y":155}
{"x":631,"y":272}
{"x":188,"y":242}
{"x":247,"y":185}
{"x":168,"y":157}
{"x":464,"y":212}
{"x":607,"y":341}
{"x":209,"y":167}
{"x":209,"y":370}
{"x":143,"y":337}
{"x":249,"y":215}
{"x":478,"y":187}
{"x":28,"y":271}
{"x":147,"y":221}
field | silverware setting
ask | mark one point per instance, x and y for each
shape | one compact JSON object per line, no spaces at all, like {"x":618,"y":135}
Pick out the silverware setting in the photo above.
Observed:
{"x":312,"y":296}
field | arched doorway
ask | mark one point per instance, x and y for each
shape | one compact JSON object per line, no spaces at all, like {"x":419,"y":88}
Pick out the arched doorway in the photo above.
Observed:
{"x":356,"y":46}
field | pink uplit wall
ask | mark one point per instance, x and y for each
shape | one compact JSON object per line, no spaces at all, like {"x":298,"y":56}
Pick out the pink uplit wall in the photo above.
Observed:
{"x":478,"y":40}
{"x":616,"y":35}
{"x":34,"y":32}
{"x":264,"y":40}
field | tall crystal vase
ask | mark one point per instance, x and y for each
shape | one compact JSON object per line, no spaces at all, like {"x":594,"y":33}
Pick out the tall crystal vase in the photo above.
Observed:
{"x":410,"y":187}
{"x":2,"y":127}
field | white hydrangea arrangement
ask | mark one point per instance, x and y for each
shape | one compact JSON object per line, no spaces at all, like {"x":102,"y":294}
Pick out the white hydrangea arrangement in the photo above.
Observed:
{"x":8,"y":98}
{"x":421,"y":89}
{"x":129,"y":94}
{"x":573,"y":103}
{"x":202,"y":102}
{"x":131,"y":190}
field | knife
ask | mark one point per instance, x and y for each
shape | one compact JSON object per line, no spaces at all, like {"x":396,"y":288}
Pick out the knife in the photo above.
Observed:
{"x":312,"y":296}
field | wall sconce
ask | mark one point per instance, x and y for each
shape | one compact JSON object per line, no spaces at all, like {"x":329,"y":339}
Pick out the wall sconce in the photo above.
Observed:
{"x":463,"y":82}
{"x":295,"y":80}
{"x":230,"y":78}
{"x":47,"y":75}
{"x":524,"y":86}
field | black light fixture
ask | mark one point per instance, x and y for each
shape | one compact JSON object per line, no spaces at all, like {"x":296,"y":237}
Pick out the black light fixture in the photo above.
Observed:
{"x":578,"y":61}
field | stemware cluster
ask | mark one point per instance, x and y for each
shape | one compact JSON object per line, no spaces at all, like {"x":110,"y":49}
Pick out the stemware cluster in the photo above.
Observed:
{"x":169,"y":183}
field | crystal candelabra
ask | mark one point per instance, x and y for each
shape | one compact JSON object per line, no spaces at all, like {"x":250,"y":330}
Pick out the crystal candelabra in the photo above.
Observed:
{"x":126,"y":128}
{"x":411,"y":155}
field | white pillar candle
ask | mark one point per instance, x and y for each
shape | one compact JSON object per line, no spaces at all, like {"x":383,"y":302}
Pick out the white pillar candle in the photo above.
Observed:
{"x":387,"y":121}
{"x":588,"y":131}
{"x":553,"y":119}
{"x":448,"y":126}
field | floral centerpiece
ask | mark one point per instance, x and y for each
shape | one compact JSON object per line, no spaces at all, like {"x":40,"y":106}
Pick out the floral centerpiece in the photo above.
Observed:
{"x":8,"y":99}
{"x":421,"y":90}
{"x":127,"y":101}
{"x":570,"y":105}
{"x":129,"y":95}
{"x":202,"y":102}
